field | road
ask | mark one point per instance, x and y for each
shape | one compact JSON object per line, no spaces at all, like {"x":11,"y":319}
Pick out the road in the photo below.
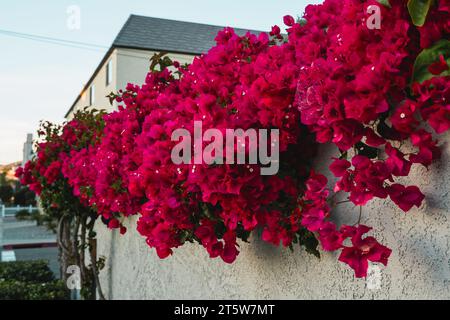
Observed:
{"x":24,"y":240}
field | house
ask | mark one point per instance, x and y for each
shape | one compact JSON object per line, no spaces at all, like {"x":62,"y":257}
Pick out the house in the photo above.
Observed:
{"x":127,"y":60}
{"x":27,"y":149}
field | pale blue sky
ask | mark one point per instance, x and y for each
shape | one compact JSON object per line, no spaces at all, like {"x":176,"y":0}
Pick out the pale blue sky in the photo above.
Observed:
{"x":41,"y":80}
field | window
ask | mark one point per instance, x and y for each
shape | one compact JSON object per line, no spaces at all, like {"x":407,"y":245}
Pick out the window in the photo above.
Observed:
{"x":109,"y":72}
{"x":92,"y":95}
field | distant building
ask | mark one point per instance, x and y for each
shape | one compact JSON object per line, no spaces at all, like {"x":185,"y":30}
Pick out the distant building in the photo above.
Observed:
{"x":127,"y":60}
{"x":27,"y":149}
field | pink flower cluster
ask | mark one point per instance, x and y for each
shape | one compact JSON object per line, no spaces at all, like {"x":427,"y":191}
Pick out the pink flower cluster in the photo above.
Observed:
{"x":243,"y":82}
{"x":332,"y":80}
{"x":100,"y":174}
{"x":44,"y":174}
{"x":354,"y":91}
{"x":315,"y":211}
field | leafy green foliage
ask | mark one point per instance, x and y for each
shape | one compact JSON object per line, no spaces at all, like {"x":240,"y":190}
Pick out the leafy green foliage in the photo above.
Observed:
{"x":24,"y":197}
{"x":385,"y":3}
{"x":25,"y":215}
{"x":6,"y":193}
{"x":26,"y":271}
{"x":429,"y":56}
{"x":17,"y":290}
{"x":30,"y":280}
{"x":418,"y":10}
{"x":57,"y":198}
{"x":365,"y":150}
{"x":309,"y":241}
{"x":160,"y":60}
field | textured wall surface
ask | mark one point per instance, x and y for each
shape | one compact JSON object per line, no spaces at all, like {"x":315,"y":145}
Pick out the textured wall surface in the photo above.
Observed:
{"x":419,"y":266}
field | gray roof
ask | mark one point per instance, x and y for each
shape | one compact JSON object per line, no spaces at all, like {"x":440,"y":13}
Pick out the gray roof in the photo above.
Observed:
{"x":149,"y":33}
{"x":156,"y":34}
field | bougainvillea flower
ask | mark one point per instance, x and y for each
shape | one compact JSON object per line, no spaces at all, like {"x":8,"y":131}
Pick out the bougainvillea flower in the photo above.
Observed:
{"x":275,"y":31}
{"x":363,"y":250}
{"x":339,"y":167}
{"x":313,"y":219}
{"x":288,"y":20}
{"x":332,"y":80}
{"x":405,"y":197}
{"x":438,"y":67}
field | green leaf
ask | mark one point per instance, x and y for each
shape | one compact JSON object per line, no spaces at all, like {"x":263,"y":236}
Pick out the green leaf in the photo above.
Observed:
{"x":308,"y":240}
{"x":418,"y":10}
{"x":220,"y":229}
{"x":241,"y":233}
{"x":429,"y":56}
{"x":112,"y":97}
{"x":301,"y":21}
{"x":117,"y":185}
{"x":365,"y":150}
{"x":344,"y":155}
{"x":186,"y":235}
{"x":158,"y":59}
{"x":385,"y":3}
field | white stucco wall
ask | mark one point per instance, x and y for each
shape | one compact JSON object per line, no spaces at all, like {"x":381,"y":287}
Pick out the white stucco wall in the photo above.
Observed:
{"x":419,"y":266}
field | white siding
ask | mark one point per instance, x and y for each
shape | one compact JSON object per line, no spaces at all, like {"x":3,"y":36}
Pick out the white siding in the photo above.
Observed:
{"x":101,"y":89}
{"x":133,"y":65}
{"x":128,"y":66}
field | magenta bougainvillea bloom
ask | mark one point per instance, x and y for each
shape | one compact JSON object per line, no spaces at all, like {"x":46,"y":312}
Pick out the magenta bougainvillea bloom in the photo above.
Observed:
{"x":331,"y":80}
{"x":335,"y":82}
{"x":44,"y":173}
{"x":405,"y":197}
{"x":362,"y":250}
{"x":288,"y":20}
{"x":438,"y":67}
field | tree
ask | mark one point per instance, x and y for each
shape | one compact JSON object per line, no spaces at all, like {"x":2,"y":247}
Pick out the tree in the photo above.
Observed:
{"x":6,"y":193}
{"x":72,"y":219}
{"x":24,"y":197}
{"x":3,"y":179}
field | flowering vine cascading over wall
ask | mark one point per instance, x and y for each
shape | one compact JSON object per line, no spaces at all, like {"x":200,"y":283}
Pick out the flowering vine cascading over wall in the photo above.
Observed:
{"x":64,"y":213}
{"x":331,"y":80}
{"x":363,"y":90}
